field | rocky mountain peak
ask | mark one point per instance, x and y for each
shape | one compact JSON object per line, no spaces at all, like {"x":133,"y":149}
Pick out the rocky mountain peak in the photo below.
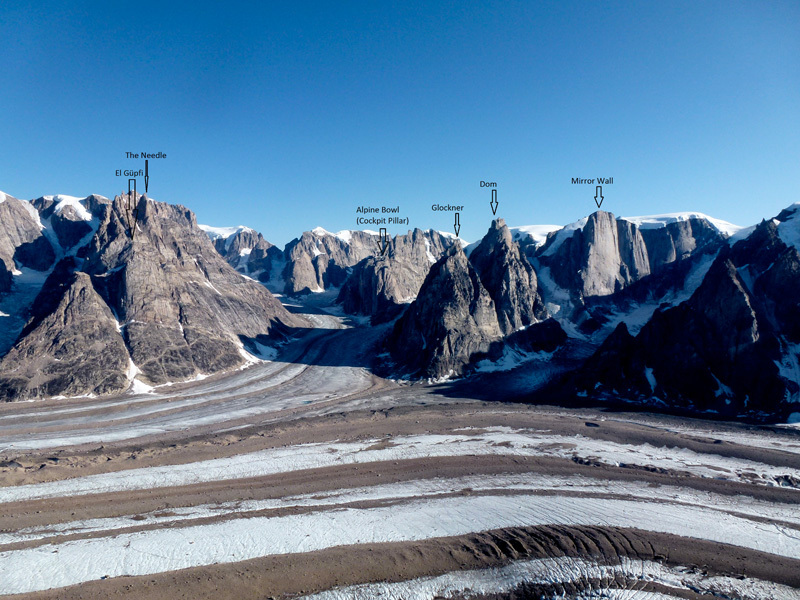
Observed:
{"x":320,"y":259}
{"x":22,"y":240}
{"x":509,"y":279}
{"x":731,"y":347}
{"x":245,"y":250}
{"x":452,"y":319}
{"x":601,"y":255}
{"x":166,"y":298}
{"x":70,"y":347}
{"x":381,"y":286}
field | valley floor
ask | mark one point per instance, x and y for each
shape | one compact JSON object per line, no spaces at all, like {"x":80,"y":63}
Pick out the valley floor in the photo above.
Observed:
{"x":310,"y":476}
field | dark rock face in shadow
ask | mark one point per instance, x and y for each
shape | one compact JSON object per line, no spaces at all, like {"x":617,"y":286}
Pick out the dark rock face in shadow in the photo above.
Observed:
{"x":452,"y":319}
{"x":22,"y":240}
{"x":382,"y":286}
{"x":70,"y":347}
{"x":466,"y":305}
{"x":721,"y":350}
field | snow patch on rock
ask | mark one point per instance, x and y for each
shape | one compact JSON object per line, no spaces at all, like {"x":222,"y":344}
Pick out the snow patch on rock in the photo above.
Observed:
{"x":223,"y":232}
{"x":789,"y":230}
{"x":659,"y":221}
{"x":563,"y":234}
{"x":63,"y":201}
{"x":537,"y":233}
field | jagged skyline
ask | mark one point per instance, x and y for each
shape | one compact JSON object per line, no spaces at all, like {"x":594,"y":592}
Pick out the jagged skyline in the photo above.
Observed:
{"x":230,"y":386}
{"x":285,"y":118}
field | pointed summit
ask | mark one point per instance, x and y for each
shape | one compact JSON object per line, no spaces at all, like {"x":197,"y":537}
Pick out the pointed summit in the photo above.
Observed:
{"x":452,"y":318}
{"x":509,"y":278}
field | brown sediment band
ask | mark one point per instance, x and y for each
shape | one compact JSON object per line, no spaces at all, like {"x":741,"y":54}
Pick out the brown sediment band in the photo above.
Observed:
{"x":286,"y":576}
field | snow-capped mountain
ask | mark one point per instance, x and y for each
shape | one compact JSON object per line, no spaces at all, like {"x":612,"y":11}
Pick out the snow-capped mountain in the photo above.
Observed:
{"x":87,"y":310}
{"x":374,"y":282}
{"x":600,"y":254}
{"x":382,"y":286}
{"x":679,"y":310}
{"x":731,"y":347}
{"x":245,"y":250}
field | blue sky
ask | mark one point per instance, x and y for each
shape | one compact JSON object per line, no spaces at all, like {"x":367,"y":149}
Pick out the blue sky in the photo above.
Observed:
{"x":291,"y":115}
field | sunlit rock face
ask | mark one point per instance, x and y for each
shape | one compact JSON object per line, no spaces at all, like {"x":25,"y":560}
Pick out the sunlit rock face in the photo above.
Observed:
{"x":156,"y":302}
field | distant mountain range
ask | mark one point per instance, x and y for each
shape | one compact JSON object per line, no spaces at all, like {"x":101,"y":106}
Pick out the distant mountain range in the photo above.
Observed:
{"x":678,"y":311}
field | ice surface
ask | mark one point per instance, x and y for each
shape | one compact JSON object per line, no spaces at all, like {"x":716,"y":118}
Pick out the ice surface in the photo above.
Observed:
{"x":34,"y":214}
{"x":223,"y":232}
{"x":424,"y":488}
{"x":789,"y":230}
{"x":62,"y":201}
{"x":651,"y":379}
{"x":428,"y":254}
{"x":511,"y":359}
{"x":563,"y":234}
{"x":464,"y":243}
{"x":168,"y":549}
{"x":544,"y":571}
{"x":345,"y":235}
{"x":262,"y":351}
{"x":658,"y":221}
{"x":139,"y":387}
{"x":495,"y":441}
{"x":538,"y":233}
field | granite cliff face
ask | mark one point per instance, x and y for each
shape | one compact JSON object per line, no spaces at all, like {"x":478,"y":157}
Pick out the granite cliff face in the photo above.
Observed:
{"x":509,"y":278}
{"x":452,"y":319}
{"x":319,"y":259}
{"x":382,"y":286}
{"x":183,"y":309}
{"x":166,"y":305}
{"x":732,"y":347}
{"x":245,"y":250}
{"x":597,"y":258}
{"x":485,"y":297}
{"x":679,"y":240}
{"x":22,"y":242}
{"x":601,"y":255}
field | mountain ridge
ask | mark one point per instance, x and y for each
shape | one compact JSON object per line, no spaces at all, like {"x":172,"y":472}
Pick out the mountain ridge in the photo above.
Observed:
{"x":185,"y":299}
{"x":168,"y":305}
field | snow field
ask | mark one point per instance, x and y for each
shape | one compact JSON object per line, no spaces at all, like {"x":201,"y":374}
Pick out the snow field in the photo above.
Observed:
{"x":558,"y":570}
{"x":169,"y":549}
{"x":495,"y":441}
{"x":658,"y":221}
{"x":415,"y":489}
